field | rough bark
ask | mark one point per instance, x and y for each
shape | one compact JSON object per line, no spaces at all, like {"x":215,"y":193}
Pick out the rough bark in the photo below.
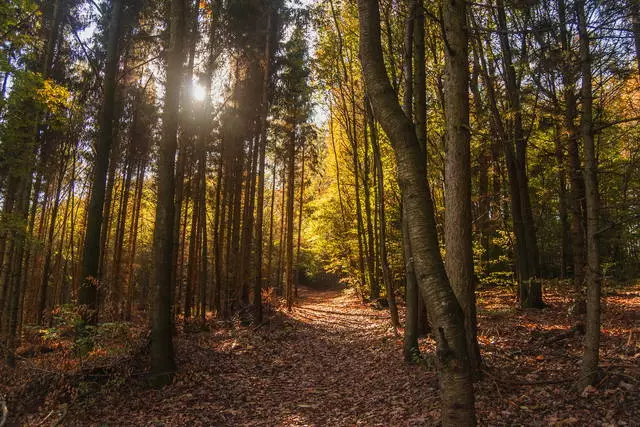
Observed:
{"x":457,"y":195}
{"x":515,"y":153}
{"x":88,"y":294}
{"x":162,"y":358}
{"x":589,"y":368}
{"x":453,"y":363}
{"x":382,"y":232}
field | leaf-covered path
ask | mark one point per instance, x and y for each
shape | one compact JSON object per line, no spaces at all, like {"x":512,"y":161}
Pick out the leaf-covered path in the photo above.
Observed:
{"x":336,"y":362}
{"x":332,"y":362}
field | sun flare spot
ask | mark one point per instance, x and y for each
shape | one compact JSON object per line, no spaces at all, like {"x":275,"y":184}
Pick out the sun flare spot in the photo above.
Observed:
{"x":198,"y":92}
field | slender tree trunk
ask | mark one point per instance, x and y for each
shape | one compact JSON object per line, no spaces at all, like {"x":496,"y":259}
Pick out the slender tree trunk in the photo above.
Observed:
{"x":162,"y":360}
{"x":530,"y":287}
{"x":576,"y":193}
{"x":46,"y":273}
{"x":420,"y":77}
{"x":589,"y":369}
{"x":562,"y":205}
{"x":291,"y":150}
{"x":382,"y":236}
{"x":133,"y":232}
{"x":299,"y":239}
{"x":457,"y":196}
{"x":281,"y":243}
{"x":271,"y":223}
{"x":88,"y":293}
{"x":374,"y":286}
{"x":410,"y":345}
{"x":258,"y":282}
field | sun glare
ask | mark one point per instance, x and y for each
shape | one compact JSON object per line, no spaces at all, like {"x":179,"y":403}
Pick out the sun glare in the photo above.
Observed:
{"x":198,"y":92}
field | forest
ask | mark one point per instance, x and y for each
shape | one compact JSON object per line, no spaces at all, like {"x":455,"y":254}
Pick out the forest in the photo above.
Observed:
{"x":320,"y":212}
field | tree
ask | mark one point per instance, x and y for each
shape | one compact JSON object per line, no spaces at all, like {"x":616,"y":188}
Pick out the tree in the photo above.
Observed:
{"x":458,"y":236}
{"x":88,"y":295}
{"x":162,"y":358}
{"x":454,"y":371}
{"x":589,"y":368}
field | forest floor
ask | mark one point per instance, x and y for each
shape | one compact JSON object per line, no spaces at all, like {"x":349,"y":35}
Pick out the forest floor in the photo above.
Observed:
{"x":334,"y":361}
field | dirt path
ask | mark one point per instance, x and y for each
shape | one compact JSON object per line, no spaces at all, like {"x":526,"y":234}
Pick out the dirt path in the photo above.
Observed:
{"x":336,"y":362}
{"x":332,"y":362}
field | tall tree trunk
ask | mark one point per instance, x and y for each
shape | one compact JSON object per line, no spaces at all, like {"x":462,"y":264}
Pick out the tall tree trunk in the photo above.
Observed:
{"x":46,"y":273}
{"x":419,"y":77}
{"x":271,"y":224}
{"x":589,"y":368}
{"x":576,"y":193}
{"x":374,"y":286}
{"x":162,"y":360}
{"x":382,"y":236}
{"x":88,"y":293}
{"x":299,"y":239}
{"x":133,"y":232}
{"x":562,"y":205}
{"x":264,"y":104}
{"x":457,"y":196}
{"x":410,"y":344}
{"x":291,"y":150}
{"x":281,"y":243}
{"x":530,"y":287}
{"x":453,"y":362}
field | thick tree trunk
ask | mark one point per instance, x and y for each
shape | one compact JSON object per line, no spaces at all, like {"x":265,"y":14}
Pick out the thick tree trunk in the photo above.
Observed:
{"x":162,"y":360}
{"x":453,"y":363}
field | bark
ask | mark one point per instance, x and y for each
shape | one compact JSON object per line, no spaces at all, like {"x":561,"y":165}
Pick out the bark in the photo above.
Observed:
{"x":258,"y":280}
{"x":530,"y":287}
{"x":453,"y":363}
{"x":382,"y":236}
{"x":291,"y":149}
{"x":204,"y":281}
{"x":133,"y":232}
{"x":88,"y":293}
{"x":420,"y":77}
{"x":193,"y":247}
{"x":271,"y":224}
{"x":162,"y":358}
{"x":299,"y":239}
{"x":374,"y":286}
{"x":576,"y":193}
{"x":562,"y":205}
{"x":457,"y":196}
{"x":46,"y":273}
{"x":589,"y":368}
{"x":410,"y":344}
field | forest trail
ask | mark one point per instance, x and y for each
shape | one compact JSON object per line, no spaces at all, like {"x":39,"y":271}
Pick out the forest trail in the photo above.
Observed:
{"x":332,"y":361}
